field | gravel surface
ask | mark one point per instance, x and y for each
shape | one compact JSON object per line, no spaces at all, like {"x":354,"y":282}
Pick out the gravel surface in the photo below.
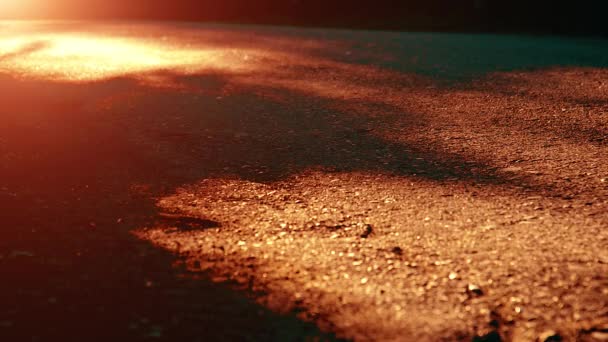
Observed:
{"x":195,"y":182}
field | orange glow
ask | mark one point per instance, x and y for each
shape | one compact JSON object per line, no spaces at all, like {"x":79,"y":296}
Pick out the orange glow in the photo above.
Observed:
{"x":78,"y":57}
{"x":27,"y":8}
{"x":9,"y":7}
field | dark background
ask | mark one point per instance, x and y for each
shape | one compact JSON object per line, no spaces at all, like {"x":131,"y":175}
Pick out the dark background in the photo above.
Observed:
{"x":558,"y":17}
{"x":582,"y":17}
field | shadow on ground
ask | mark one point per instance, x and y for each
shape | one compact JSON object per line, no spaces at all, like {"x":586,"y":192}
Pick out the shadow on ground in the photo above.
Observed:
{"x":83,"y":164}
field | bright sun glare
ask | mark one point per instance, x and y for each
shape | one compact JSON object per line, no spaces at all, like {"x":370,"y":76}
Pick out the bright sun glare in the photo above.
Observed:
{"x":89,"y":57}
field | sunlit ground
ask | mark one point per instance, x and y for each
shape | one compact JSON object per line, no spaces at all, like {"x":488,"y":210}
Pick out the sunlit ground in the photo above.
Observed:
{"x":473,"y":192}
{"x":83,"y":56}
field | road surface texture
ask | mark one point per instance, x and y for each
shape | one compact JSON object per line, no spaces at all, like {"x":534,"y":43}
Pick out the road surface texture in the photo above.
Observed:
{"x":189,"y":182}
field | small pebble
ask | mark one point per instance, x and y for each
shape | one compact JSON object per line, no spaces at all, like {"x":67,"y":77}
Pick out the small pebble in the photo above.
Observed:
{"x":368,"y":231}
{"x":549,"y":336}
{"x":474,"y":290}
{"x":397,"y":250}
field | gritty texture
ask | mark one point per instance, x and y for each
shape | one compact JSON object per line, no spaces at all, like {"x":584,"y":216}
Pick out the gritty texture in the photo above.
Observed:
{"x":286,"y":184}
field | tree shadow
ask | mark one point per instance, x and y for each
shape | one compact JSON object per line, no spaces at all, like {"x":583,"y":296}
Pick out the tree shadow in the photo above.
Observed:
{"x":93,"y":167}
{"x":267,"y":133}
{"x":462,"y":58}
{"x":83,"y":164}
{"x":73,"y":186}
{"x":447,"y":58}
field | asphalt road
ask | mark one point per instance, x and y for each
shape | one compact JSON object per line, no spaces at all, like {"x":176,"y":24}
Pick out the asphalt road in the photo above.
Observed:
{"x":192,"y":182}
